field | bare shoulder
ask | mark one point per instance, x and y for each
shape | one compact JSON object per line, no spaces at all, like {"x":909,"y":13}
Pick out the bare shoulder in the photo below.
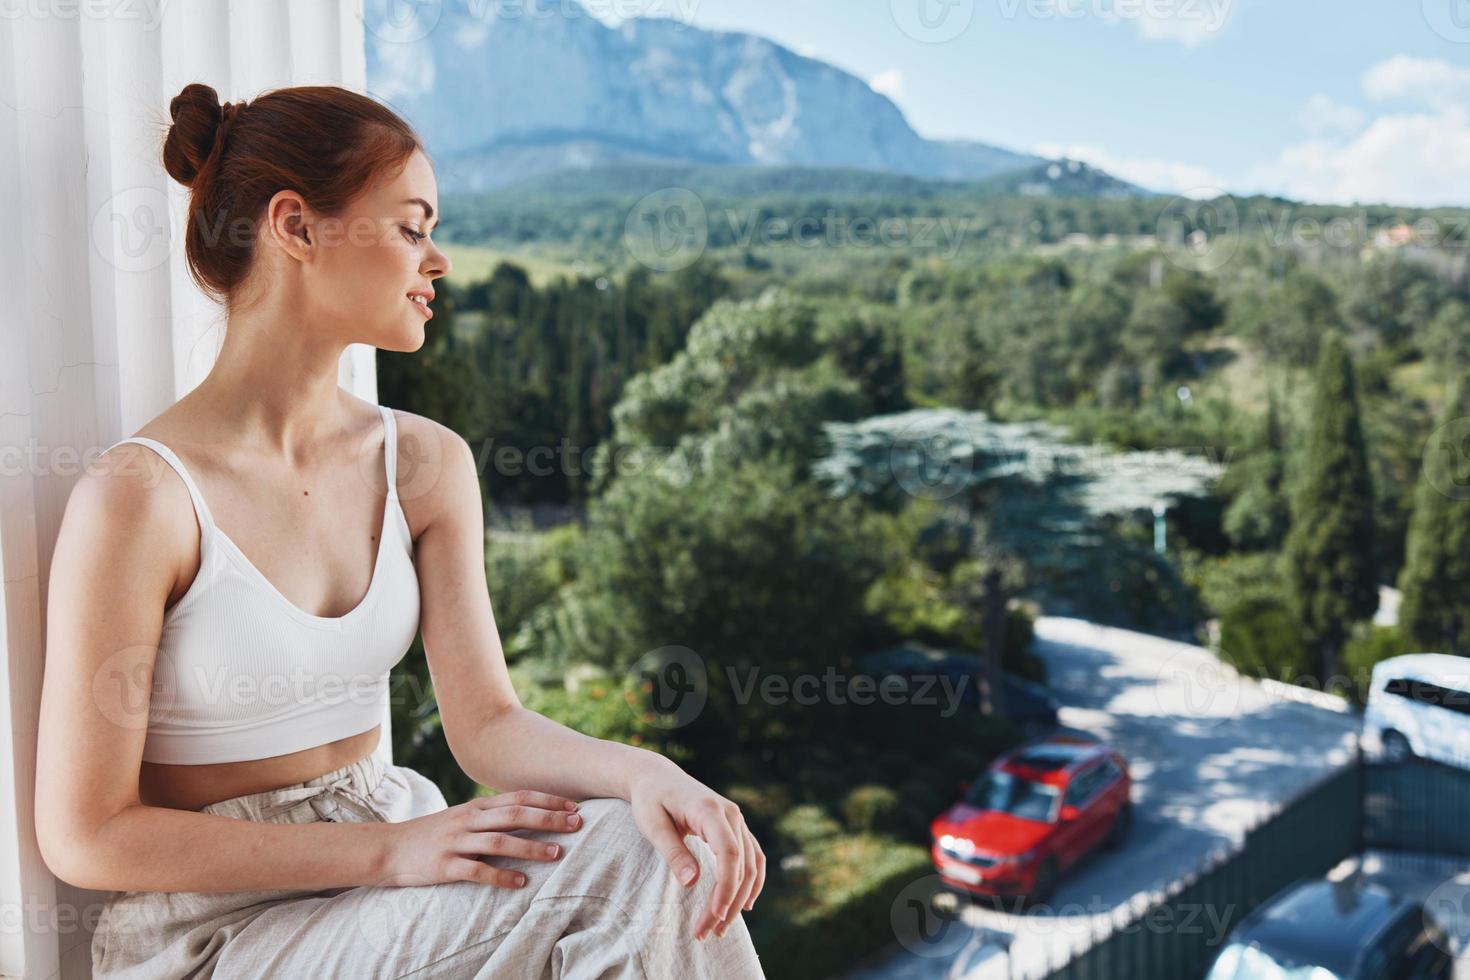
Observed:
{"x":437,"y":475}
{"x":128,"y":509}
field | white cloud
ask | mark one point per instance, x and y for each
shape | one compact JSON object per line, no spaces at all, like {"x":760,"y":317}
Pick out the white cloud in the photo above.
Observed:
{"x":1324,"y":115}
{"x":1417,"y":156}
{"x":1427,"y":80}
{"x":889,"y":83}
{"x":1165,"y":176}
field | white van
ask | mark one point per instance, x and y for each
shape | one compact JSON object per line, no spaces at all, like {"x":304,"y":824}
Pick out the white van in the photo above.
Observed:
{"x":1419,"y":705}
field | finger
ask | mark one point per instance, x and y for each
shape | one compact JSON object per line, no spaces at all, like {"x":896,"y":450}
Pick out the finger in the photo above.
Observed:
{"x":747,"y":868}
{"x":729,"y":858}
{"x":517,"y":816}
{"x":468,"y":869}
{"x":527,"y":797}
{"x":760,"y":865}
{"x":752,"y":876}
{"x":667,"y":840}
{"x":509,"y":845}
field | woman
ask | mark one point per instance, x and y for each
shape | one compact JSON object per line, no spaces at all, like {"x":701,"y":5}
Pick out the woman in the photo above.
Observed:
{"x":215,"y":679}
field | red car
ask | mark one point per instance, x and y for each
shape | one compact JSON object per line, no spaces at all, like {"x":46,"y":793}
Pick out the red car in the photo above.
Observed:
{"x":1036,"y":811}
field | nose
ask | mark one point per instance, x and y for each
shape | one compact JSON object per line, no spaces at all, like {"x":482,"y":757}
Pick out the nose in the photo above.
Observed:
{"x":438,"y":264}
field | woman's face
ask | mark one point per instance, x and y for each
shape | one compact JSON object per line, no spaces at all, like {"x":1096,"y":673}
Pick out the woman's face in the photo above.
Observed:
{"x":378,"y":257}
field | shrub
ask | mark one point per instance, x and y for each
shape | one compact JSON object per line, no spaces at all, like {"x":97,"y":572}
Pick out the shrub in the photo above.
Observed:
{"x":1260,"y":637}
{"x":1366,"y":647}
{"x":805,"y":825}
{"x":871,"y":809}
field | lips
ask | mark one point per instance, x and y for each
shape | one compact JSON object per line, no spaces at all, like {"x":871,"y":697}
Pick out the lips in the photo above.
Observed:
{"x":420,"y":301}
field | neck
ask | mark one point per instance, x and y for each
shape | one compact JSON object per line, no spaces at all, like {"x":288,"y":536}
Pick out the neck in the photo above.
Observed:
{"x":278,"y":384}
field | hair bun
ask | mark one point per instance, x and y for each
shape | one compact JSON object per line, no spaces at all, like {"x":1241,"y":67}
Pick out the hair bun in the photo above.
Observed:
{"x":199,"y":126}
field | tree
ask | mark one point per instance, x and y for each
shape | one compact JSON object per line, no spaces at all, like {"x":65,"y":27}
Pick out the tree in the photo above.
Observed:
{"x":1259,"y":516}
{"x":1331,"y":566}
{"x":1031,"y":508}
{"x":1435,"y":582}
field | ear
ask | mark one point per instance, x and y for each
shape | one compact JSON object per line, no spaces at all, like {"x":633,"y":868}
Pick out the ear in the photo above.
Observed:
{"x":288,"y":223}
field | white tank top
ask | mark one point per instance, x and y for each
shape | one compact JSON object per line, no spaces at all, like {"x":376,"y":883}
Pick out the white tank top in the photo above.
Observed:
{"x":243,"y":673}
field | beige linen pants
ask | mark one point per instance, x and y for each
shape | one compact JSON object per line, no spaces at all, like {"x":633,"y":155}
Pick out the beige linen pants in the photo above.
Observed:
{"x":607,"y":908}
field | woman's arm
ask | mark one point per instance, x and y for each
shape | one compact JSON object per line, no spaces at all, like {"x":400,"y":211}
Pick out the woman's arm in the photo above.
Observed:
{"x":115,"y":564}
{"x":517,"y":747}
{"x":500,"y":743}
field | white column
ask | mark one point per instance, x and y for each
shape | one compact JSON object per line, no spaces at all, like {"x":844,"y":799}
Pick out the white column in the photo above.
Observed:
{"x":100,"y":326}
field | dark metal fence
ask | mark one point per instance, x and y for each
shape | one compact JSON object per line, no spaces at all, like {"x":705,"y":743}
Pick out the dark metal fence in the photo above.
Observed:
{"x":1177,"y":933}
{"x":1415,"y":807}
{"x":1420,"y":806}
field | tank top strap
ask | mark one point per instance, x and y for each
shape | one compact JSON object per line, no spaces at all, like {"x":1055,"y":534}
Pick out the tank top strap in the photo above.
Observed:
{"x":201,"y":510}
{"x":390,"y":448}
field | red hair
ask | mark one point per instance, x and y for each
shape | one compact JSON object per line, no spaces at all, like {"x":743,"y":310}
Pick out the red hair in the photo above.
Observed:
{"x":325,"y":142}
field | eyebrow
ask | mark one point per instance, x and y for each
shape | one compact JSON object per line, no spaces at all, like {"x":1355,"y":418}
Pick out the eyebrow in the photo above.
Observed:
{"x":428,"y":208}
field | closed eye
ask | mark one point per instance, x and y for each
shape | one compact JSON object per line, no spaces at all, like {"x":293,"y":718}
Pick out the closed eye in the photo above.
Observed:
{"x":413,"y":236}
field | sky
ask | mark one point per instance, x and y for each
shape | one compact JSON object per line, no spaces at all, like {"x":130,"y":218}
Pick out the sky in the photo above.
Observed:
{"x":1352,"y":101}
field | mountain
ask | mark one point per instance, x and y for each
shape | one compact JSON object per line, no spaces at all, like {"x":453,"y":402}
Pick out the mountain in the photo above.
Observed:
{"x":505,"y":92}
{"x":626,"y":181}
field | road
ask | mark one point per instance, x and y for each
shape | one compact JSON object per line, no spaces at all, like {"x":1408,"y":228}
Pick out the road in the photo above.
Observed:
{"x":1210,"y":752}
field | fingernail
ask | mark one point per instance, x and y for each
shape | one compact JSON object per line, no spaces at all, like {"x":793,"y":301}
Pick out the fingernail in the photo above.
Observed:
{"x":686,"y":874}
{"x":571,"y":804}
{"x":551,"y":849}
{"x":574,"y":820}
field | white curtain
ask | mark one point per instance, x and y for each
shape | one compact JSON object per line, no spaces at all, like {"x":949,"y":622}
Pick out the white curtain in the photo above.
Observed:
{"x":101,"y":327}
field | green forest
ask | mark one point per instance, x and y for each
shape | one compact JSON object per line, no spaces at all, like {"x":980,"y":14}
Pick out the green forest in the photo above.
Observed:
{"x":777,"y":452}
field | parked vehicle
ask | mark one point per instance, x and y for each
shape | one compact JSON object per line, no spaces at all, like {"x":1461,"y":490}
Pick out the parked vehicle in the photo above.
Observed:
{"x":1336,"y":930}
{"x":1031,"y":706}
{"x":1035,"y":812}
{"x":1419,"y":705}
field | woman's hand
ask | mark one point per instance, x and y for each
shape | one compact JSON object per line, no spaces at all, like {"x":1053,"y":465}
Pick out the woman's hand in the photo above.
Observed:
{"x":668,"y":803}
{"x":448,"y":845}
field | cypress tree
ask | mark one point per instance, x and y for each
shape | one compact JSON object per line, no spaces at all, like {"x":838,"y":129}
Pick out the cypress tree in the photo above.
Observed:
{"x":1435,"y":611}
{"x":1329,"y":550}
